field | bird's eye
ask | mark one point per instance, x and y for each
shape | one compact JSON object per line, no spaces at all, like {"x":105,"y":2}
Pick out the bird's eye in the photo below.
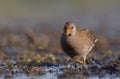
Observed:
{"x":72,"y":27}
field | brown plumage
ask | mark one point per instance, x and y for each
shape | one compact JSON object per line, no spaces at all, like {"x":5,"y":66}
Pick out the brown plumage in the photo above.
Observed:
{"x":77,"y":43}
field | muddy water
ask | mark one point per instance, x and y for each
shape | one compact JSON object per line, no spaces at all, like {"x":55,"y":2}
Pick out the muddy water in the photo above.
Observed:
{"x":57,"y":74}
{"x":60,"y":71}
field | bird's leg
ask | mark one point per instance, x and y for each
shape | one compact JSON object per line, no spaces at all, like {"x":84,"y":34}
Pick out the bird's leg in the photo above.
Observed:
{"x":84,"y":61}
{"x":78,"y":61}
{"x":81,"y":60}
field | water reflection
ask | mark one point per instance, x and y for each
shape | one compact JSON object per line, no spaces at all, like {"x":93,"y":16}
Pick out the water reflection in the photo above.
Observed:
{"x":55,"y":76}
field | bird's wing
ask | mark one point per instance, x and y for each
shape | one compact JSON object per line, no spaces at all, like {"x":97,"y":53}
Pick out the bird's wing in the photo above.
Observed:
{"x":87,"y":33}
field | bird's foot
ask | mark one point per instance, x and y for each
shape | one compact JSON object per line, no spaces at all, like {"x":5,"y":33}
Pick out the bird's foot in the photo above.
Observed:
{"x":83,"y":63}
{"x":78,"y":61}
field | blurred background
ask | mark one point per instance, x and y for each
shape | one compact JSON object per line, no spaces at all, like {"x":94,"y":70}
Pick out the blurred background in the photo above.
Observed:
{"x":48,"y":17}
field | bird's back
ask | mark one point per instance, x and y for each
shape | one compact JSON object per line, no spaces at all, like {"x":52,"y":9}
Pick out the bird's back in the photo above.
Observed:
{"x":86,"y":41}
{"x":86,"y":35}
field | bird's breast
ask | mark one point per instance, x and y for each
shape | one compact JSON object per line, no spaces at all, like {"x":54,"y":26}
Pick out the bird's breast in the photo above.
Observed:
{"x":68,"y":46}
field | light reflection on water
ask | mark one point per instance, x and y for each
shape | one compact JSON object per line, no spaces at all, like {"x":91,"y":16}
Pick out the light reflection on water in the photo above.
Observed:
{"x":58,"y":74}
{"x":55,"y":76}
{"x":47,"y":76}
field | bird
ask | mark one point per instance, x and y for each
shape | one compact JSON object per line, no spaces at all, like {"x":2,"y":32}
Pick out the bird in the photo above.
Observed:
{"x":77,"y":42}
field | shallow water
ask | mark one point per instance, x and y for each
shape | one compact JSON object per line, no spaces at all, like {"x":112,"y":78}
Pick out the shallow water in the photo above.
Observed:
{"x":54,"y":75}
{"x":56,"y":72}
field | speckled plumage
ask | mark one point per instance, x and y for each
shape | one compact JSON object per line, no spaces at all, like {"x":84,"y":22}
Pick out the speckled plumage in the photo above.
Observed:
{"x":78,"y":44}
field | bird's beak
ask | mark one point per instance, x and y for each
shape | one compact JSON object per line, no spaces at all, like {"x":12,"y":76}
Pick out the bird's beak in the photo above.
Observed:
{"x":68,"y":31}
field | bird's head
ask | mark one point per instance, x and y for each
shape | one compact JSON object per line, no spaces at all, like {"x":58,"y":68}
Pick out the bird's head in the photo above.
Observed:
{"x":69,"y":29}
